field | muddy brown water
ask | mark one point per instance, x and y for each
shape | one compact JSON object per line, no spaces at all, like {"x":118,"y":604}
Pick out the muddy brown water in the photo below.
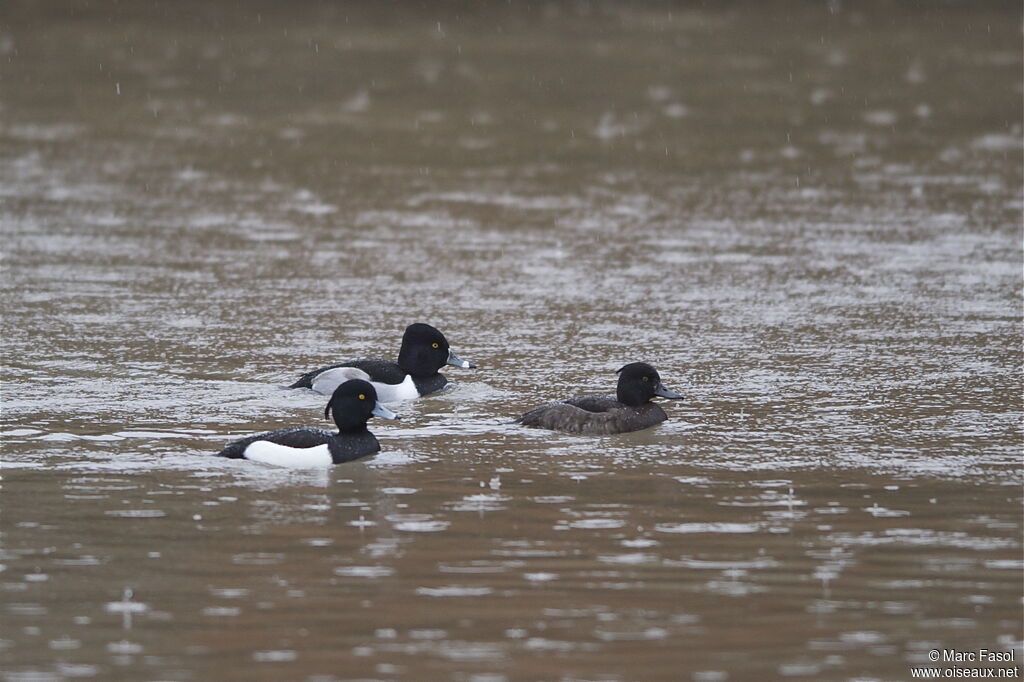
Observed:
{"x":808,"y":217}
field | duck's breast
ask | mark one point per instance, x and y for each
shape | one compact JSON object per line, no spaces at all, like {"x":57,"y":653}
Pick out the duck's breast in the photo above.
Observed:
{"x":348,"y":447}
{"x":433,"y":384}
{"x":636,"y":418}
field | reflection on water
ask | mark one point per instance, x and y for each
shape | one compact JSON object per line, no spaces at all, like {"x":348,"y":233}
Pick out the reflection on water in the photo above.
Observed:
{"x":807,"y":217}
{"x":358,"y":567}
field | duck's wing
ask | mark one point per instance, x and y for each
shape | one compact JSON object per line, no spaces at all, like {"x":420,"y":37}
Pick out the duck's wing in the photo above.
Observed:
{"x":328,"y":380}
{"x":295,"y":437}
{"x":384,"y":371}
{"x":587,"y":414}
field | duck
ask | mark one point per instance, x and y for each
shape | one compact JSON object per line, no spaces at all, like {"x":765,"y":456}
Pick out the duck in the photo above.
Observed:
{"x":424,"y":351}
{"x":351,"y":406}
{"x":630,"y":410}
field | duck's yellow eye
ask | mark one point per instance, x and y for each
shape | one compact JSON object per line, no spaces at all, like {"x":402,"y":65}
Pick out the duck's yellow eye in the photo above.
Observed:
{"x":362,"y":396}
{"x":435,"y":344}
{"x":646,"y":379}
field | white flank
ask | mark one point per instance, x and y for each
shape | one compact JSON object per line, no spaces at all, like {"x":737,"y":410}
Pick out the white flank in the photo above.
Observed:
{"x":326,"y":382}
{"x":284,"y":456}
{"x":392,"y":393}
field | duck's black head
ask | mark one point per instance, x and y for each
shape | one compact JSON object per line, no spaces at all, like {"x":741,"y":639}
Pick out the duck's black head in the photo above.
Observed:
{"x":353,"y":403}
{"x":638,"y":383}
{"x":425,"y":350}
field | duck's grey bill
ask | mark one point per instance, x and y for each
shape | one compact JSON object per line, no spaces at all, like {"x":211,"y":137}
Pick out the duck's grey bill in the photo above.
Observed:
{"x":664,"y":392}
{"x":455,"y":361}
{"x":383,"y":412}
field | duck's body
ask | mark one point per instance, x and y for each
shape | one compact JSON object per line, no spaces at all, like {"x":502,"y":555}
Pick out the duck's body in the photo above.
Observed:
{"x":629,"y":410}
{"x":424,"y":351}
{"x":303,"y":446}
{"x":352,"y":404}
{"x":594,"y":415}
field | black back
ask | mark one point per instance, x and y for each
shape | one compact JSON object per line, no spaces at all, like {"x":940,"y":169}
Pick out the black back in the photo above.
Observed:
{"x":594,"y":403}
{"x":384,"y":371}
{"x":293,"y":437}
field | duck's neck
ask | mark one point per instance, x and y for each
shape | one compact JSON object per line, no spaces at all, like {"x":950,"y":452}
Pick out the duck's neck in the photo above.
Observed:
{"x":632,"y":396}
{"x":352,"y":429}
{"x":430,"y":384}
